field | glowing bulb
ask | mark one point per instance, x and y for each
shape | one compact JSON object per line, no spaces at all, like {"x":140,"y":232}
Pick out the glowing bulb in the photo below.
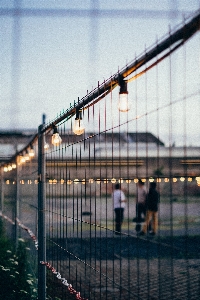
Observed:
{"x":9,"y":168}
{"x":78,"y":127}
{"x":46,"y":146}
{"x":22,"y":159}
{"x":56,"y":139}
{"x":26,"y":157}
{"x":31,"y":152}
{"x":5,"y":169}
{"x":123,"y":104}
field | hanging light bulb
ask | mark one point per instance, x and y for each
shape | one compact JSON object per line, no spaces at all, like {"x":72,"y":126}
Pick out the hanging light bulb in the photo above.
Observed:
{"x":22,"y":159}
{"x":31,"y":152}
{"x":46,"y":146}
{"x":123,"y":104}
{"x":56,"y":139}
{"x":26,"y":156}
{"x":5,"y":169}
{"x":9,"y":167}
{"x":78,"y":127}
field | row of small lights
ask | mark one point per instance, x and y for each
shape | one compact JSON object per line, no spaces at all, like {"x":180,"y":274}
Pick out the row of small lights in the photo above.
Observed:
{"x":22,"y":158}
{"x":78,"y":128}
{"x":27,"y":155}
{"x":113,"y":180}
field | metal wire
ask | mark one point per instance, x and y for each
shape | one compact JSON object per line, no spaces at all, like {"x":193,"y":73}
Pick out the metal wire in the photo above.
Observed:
{"x":80,"y":176}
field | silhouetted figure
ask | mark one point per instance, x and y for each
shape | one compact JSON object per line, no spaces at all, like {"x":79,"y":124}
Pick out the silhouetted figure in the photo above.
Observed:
{"x":152,"y":203}
{"x":119,"y":200}
{"x":140,"y":202}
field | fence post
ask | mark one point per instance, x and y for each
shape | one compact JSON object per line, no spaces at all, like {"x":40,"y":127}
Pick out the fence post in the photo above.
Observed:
{"x":2,"y":190}
{"x":17,"y":208}
{"x":41,"y":215}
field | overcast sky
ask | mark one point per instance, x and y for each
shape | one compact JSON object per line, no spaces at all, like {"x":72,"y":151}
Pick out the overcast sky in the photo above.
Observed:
{"x":50,"y":58}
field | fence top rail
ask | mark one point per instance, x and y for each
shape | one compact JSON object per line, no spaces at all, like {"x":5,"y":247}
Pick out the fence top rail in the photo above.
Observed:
{"x":174,"y":38}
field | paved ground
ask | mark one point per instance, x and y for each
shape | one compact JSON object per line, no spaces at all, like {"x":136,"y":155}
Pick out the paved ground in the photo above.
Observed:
{"x":125,"y":267}
{"x":103,"y":266}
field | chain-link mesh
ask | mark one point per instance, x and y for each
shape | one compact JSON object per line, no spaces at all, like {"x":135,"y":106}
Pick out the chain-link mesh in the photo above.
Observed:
{"x":90,"y":253}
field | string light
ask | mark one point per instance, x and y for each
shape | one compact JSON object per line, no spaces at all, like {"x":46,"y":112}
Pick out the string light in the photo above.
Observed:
{"x":99,"y":180}
{"x":123,"y":104}
{"x":22,"y":159}
{"x":46,"y":146}
{"x":78,"y":127}
{"x":31,"y":152}
{"x":56,"y":139}
{"x":9,"y":167}
{"x":5,"y":169}
{"x":26,"y":156}
{"x":128,"y":180}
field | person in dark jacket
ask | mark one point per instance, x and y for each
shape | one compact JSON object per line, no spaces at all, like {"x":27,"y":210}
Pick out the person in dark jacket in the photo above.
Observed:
{"x":152,"y":203}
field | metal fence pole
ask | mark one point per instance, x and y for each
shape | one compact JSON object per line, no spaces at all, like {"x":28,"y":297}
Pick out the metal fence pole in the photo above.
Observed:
{"x":17,"y":204}
{"x":2,"y":190}
{"x":41,"y":216}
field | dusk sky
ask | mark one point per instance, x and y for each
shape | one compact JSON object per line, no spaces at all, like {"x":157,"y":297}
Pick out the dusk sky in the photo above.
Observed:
{"x":57,"y":50}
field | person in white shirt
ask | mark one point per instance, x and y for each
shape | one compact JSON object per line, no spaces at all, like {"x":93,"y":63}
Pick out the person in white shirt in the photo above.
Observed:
{"x":119,"y":204}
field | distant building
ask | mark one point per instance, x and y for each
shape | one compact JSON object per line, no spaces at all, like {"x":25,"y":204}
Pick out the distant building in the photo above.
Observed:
{"x":12,"y":141}
{"x":141,"y":153}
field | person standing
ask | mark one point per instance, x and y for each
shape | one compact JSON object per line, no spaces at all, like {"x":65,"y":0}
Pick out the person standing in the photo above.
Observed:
{"x":119,"y":200}
{"x":140,"y":201}
{"x":152,"y":203}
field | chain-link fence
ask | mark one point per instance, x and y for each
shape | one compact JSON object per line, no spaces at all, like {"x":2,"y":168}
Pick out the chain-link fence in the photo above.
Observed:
{"x":61,"y":200}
